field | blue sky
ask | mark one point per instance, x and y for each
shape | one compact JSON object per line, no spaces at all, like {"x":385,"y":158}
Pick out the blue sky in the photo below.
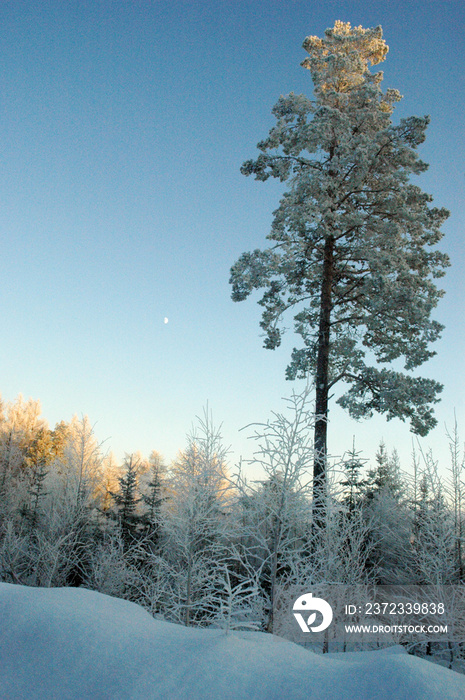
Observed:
{"x":124,"y":126}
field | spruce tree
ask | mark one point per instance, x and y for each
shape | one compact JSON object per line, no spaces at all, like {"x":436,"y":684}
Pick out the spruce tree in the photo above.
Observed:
{"x":153,"y":498}
{"x":385,"y":478}
{"x":126,"y":501}
{"x":32,"y":510}
{"x":353,"y":483}
{"x":351,"y":240}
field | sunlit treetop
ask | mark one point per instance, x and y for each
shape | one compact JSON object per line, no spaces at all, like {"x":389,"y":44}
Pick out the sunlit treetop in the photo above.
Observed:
{"x":339,"y":63}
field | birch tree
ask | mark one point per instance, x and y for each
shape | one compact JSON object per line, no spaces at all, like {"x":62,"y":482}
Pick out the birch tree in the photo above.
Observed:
{"x":274,"y":512}
{"x":194,"y":525}
{"x":433,"y":536}
{"x":353,"y":240}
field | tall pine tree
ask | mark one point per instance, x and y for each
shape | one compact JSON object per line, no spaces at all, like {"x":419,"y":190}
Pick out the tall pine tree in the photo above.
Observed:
{"x":351,"y":240}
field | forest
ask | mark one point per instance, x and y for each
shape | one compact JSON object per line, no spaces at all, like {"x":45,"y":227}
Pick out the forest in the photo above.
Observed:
{"x":199,"y":542}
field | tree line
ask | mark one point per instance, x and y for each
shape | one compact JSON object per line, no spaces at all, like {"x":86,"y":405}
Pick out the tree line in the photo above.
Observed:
{"x":199,"y":543}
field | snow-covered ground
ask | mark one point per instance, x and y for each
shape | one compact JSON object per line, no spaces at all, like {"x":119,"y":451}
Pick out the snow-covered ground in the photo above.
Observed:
{"x":63,"y":643}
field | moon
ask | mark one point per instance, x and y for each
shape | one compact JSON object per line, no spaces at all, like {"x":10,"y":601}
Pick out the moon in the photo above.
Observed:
{"x":165,"y":320}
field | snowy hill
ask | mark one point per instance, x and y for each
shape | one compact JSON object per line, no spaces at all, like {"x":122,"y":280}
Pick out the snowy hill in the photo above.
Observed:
{"x":73,"y":643}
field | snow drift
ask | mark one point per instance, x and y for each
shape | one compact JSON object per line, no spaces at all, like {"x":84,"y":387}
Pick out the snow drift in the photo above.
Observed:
{"x":68,"y":643}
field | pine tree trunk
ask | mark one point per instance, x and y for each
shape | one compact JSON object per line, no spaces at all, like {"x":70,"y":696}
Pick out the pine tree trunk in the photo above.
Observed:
{"x":322,"y":388}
